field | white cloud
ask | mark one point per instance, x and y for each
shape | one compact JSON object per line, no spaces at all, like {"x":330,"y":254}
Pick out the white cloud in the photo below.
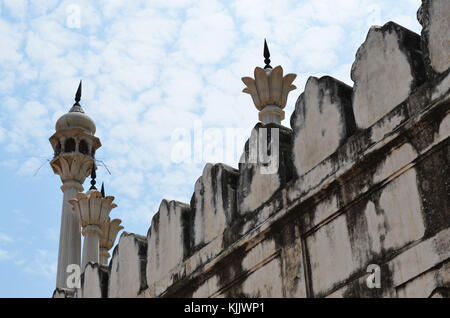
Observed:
{"x":2,"y":134}
{"x":20,"y":217}
{"x":130,"y":183}
{"x":208,"y":33}
{"x":343,"y":73}
{"x":31,"y":166}
{"x":11,"y":36}
{"x":41,"y":7}
{"x":4,"y":255}
{"x":41,"y":264}
{"x":29,"y":129}
{"x":138,"y":215}
{"x":19,"y":262}
{"x":5,"y":238}
{"x":408,"y":22}
{"x":17,"y":8}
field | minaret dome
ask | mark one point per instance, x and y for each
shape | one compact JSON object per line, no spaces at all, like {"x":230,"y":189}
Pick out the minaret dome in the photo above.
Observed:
{"x":76,"y":118}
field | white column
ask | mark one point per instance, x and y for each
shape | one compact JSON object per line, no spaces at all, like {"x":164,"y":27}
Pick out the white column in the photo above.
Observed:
{"x":70,"y":236}
{"x":91,"y":245}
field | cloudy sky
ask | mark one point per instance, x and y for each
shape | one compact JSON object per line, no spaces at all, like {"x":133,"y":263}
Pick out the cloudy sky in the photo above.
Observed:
{"x":154,"y":72}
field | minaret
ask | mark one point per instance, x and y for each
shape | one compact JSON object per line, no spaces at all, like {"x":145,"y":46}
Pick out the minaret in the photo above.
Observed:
{"x":74,"y":146}
{"x":93,"y":210}
{"x":269,"y":90}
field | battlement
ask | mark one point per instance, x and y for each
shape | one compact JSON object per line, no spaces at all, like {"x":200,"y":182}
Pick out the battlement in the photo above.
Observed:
{"x":361,"y":179}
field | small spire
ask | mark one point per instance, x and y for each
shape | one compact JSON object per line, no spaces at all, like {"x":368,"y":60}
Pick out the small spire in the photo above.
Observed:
{"x":103,"y":190}
{"x":78,"y":95}
{"x":93,"y":176}
{"x":266,"y":56}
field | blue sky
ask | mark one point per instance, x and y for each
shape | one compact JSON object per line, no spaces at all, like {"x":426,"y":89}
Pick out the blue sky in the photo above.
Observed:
{"x":152,"y":71}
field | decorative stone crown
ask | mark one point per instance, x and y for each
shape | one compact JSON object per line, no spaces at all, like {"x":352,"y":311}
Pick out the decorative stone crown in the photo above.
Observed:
{"x":72,"y":167}
{"x":109,"y":233}
{"x":92,"y":208}
{"x":269,"y":90}
{"x":269,"y":87}
{"x":109,"y":230}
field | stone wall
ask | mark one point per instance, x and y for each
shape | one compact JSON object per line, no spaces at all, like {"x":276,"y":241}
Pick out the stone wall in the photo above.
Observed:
{"x":362,"y":178}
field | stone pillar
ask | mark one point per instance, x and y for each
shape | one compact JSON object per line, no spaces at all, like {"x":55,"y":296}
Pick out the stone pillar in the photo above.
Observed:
{"x":73,"y":170}
{"x":69,"y":236}
{"x":91,"y":246}
{"x":265,"y":167}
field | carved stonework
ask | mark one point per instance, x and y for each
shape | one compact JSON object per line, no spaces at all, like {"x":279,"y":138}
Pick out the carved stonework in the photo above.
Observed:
{"x":93,"y":211}
{"x":74,"y":140}
{"x":109,"y":229}
{"x":93,"y":208}
{"x":269,"y":91}
{"x":70,"y":167}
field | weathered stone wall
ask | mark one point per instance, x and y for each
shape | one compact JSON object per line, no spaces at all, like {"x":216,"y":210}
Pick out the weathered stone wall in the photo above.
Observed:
{"x":127,"y":266}
{"x":433,"y":15}
{"x":363,"y":177}
{"x":213,"y":204}
{"x":388,"y":67}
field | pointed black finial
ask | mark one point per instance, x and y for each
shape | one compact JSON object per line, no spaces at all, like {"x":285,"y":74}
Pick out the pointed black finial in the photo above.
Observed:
{"x":266,"y":56}
{"x":78,"y":95}
{"x":103,"y":190}
{"x":93,"y":176}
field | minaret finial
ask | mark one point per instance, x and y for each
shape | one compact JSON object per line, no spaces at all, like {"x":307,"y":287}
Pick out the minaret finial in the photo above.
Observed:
{"x":78,"y":95}
{"x":266,"y":56}
{"x":269,"y":101}
{"x":93,"y":176}
{"x":103,"y":190}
